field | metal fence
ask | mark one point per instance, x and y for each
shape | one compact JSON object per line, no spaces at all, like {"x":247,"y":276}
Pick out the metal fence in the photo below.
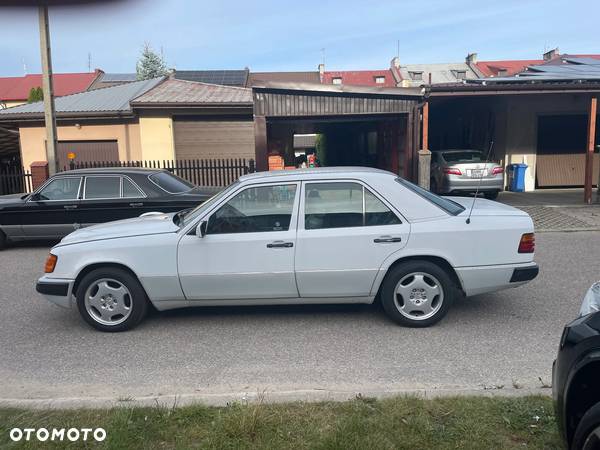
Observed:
{"x":14,"y":180}
{"x":201,"y":172}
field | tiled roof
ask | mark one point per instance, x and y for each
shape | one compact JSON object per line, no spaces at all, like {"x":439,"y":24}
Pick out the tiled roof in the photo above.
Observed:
{"x":510,"y":67}
{"x":439,"y":72}
{"x":113,"y":99}
{"x":283,"y":77}
{"x":17,"y":88}
{"x":174,"y":91}
{"x":360,"y":77}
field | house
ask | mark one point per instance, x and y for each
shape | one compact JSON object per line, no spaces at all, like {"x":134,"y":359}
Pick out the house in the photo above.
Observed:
{"x":112,"y":79}
{"x":14,"y":91}
{"x":382,"y":78}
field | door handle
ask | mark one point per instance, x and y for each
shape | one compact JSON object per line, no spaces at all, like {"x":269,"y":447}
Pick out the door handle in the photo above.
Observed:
{"x":280,"y":244}
{"x":387,"y":239}
{"x":70,"y":206}
{"x":136,"y":204}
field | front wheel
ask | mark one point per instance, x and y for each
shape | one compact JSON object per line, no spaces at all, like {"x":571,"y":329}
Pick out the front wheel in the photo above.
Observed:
{"x":417,"y":293}
{"x":491,"y":195}
{"x":111,"y":299}
{"x":587,"y":435}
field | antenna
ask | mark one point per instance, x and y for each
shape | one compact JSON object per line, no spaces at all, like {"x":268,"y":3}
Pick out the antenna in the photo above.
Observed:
{"x":487,"y":158}
{"x":398,"y":48}
{"x":24,"y":67}
{"x":323,"y":56}
{"x":89,"y":62}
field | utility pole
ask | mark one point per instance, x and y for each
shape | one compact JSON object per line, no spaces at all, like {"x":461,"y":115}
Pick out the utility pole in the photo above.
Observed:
{"x":49,"y":113}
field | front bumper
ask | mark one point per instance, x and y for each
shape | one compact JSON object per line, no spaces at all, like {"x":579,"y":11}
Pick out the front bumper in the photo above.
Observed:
{"x":56,"y":290}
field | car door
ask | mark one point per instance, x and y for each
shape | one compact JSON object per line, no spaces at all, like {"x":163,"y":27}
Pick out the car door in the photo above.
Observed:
{"x":106,"y":198}
{"x":49,"y":212}
{"x":345,"y":232}
{"x":248,"y":249}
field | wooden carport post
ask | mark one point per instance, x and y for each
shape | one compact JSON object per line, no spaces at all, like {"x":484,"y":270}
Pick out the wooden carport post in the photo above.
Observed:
{"x":589,"y":155}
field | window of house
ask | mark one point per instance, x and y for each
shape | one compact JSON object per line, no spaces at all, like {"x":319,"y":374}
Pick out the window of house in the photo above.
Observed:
{"x":336,"y":80}
{"x":255,"y":210}
{"x":102,"y":187}
{"x":341,"y":205}
{"x":460,"y":74}
{"x":380,"y":80}
{"x":417,"y":76}
{"x":502,"y":72}
{"x":66,"y":188}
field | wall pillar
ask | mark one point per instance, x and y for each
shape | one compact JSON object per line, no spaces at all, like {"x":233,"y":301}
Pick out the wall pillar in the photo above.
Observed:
{"x":260,"y":143}
{"x":157,"y":138}
{"x":39,"y":173}
{"x":589,"y":154}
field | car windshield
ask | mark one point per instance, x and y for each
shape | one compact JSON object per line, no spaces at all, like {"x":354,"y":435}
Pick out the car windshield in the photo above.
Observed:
{"x":466,"y":156}
{"x":170,"y":183}
{"x":447,"y":205}
{"x":185,"y":217}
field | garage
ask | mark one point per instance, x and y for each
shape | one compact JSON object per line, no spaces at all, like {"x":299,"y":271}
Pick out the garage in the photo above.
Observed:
{"x":211,"y":139}
{"x":87,"y":151}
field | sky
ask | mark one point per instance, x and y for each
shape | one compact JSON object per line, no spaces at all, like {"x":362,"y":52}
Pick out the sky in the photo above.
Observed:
{"x":283,"y":35}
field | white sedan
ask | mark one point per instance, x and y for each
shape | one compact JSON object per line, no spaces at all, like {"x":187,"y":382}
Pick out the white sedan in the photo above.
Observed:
{"x":331,"y":235}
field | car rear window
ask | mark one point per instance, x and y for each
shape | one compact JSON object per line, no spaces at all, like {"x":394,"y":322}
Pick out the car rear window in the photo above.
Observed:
{"x":170,"y":183}
{"x":468,"y":156}
{"x":447,"y":205}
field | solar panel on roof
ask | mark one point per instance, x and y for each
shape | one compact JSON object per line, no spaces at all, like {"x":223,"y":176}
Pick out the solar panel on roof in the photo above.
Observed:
{"x":224,"y":77}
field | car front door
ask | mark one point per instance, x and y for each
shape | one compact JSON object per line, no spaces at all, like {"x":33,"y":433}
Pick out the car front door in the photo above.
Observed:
{"x":345,"y":232}
{"x":248,"y":249}
{"x":49,"y":212}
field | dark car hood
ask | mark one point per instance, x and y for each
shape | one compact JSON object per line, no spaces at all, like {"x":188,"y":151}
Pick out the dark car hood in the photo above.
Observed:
{"x":203,"y":193}
{"x":10,"y":200}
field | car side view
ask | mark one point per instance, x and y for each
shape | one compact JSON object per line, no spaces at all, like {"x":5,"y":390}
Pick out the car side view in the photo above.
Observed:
{"x":330,"y":235}
{"x":465,"y":172}
{"x":576,"y":377}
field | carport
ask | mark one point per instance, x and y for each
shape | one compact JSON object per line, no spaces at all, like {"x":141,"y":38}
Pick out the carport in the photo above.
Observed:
{"x":355,"y":126}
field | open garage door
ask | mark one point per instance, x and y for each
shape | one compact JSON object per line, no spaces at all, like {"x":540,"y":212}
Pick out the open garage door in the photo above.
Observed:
{"x":213,"y":139}
{"x":561,"y":148}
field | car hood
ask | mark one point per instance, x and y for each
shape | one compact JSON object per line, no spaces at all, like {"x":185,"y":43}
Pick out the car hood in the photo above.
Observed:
{"x":483,"y":207}
{"x":154,"y":223}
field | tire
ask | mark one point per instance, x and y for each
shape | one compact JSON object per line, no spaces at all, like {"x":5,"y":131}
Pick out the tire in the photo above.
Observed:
{"x":433,"y":186}
{"x":111,"y":299}
{"x":432,"y":287}
{"x":587,"y":435}
{"x":493,"y":195}
{"x":2,"y":240}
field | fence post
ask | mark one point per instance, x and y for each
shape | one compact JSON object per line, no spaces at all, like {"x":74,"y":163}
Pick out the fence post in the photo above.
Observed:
{"x":251,"y":166}
{"x":424,"y":168}
{"x":39,"y":173}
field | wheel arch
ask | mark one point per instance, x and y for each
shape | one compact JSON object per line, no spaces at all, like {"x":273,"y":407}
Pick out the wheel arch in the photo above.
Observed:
{"x":582,"y":394}
{"x":438,"y":260}
{"x":102,"y":265}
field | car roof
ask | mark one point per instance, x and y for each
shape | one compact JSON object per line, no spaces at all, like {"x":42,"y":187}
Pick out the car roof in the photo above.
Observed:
{"x":314,"y":172}
{"x":112,"y":170}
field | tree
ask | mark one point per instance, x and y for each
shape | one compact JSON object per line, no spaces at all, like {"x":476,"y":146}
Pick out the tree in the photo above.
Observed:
{"x":150,"y":65}
{"x":35,"y":95}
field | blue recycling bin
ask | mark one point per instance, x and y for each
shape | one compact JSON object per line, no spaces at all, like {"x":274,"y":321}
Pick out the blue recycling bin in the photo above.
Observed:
{"x":516,"y":177}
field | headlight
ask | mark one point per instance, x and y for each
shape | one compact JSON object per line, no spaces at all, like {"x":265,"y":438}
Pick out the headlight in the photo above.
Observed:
{"x":591,"y":301}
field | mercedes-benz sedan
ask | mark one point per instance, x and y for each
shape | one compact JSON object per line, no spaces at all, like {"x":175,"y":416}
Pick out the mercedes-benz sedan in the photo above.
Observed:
{"x":330,"y":235}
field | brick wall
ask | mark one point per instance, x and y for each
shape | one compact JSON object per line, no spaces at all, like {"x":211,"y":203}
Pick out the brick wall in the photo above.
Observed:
{"x":39,"y":173}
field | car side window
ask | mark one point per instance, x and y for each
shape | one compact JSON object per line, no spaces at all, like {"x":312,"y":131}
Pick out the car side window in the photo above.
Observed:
{"x":258,"y":209}
{"x":64,"y":188}
{"x":341,"y":205}
{"x":102,"y":187}
{"x":130,"y":190}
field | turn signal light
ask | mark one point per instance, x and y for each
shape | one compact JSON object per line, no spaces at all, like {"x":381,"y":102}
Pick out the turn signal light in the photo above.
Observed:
{"x":449,"y":171}
{"x":50,"y":263}
{"x":497,"y":170}
{"x":527,"y":244}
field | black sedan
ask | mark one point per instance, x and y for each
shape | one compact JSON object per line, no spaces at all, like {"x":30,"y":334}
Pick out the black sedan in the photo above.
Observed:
{"x":576,"y":378}
{"x":78,"y":198}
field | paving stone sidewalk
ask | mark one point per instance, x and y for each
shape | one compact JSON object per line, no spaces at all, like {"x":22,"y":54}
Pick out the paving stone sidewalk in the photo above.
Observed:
{"x":551,"y":218}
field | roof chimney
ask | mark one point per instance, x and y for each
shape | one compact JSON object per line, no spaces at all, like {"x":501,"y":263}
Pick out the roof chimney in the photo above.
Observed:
{"x":396,"y":62}
{"x":551,"y":54}
{"x":471,"y":58}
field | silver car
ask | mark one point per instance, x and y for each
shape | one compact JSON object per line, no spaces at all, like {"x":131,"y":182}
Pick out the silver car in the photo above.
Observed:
{"x":463,"y":171}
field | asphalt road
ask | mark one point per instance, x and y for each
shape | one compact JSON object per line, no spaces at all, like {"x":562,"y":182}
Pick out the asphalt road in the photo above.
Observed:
{"x":217,"y":354}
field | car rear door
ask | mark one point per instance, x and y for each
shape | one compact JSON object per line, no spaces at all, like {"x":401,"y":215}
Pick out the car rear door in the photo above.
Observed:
{"x":248,"y":249}
{"x":49,"y":212}
{"x":345,"y":232}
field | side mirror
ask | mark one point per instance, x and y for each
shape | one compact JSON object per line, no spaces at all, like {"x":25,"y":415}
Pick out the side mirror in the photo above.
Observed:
{"x":201,"y":229}
{"x":35,"y":197}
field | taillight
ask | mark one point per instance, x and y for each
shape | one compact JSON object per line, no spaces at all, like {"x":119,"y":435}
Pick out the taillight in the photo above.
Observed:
{"x":497,"y":170}
{"x":527,"y":244}
{"x":452,"y":171}
{"x":50,"y":263}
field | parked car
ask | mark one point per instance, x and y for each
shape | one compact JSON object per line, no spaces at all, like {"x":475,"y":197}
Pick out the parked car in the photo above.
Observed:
{"x":464,"y":172}
{"x":79,"y":198}
{"x":576,"y":377}
{"x":329,"y":235}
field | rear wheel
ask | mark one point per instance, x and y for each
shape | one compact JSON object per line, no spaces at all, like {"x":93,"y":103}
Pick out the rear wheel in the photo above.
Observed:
{"x":417,"y":293}
{"x":111,"y":299}
{"x":587,"y":435}
{"x":433,"y":186}
{"x":491,"y":195}
{"x":2,"y":240}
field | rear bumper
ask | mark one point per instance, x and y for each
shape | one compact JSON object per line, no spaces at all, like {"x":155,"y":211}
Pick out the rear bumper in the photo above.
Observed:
{"x":56,"y":290}
{"x":482,"y":279}
{"x":459,"y":183}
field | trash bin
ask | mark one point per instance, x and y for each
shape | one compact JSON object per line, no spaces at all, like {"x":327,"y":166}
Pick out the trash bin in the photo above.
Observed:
{"x":516,"y":177}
